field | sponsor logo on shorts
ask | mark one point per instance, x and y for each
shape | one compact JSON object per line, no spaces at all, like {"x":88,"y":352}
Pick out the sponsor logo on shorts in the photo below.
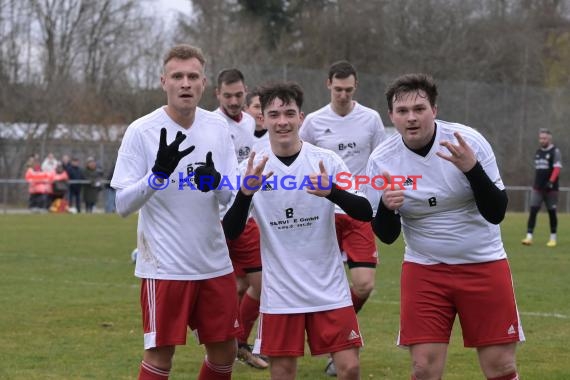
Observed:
{"x":511,"y":330}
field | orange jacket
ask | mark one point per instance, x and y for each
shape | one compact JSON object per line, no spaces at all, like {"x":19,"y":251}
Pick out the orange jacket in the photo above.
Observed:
{"x":39,"y":182}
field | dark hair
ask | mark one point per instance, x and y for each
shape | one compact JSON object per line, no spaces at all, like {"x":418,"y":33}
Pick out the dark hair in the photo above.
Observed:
{"x":250,"y":95}
{"x":411,"y":83}
{"x":184,"y":52}
{"x":341,"y":70}
{"x":545,"y":130}
{"x":229,"y":76}
{"x":286,"y":91}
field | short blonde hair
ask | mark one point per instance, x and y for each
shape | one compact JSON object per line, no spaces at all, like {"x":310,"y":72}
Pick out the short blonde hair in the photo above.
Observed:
{"x":184,"y":52}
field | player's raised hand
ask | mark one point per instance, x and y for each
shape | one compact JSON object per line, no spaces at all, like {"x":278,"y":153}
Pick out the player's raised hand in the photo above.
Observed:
{"x":168,"y":156}
{"x":393,"y":196}
{"x":320,"y":181}
{"x":206,"y":177}
{"x":253,"y":178}
{"x":462,"y":155}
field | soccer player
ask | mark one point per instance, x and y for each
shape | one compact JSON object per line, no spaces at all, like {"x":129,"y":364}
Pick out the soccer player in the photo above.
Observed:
{"x":166,"y":169}
{"x":244,"y":252}
{"x":454,"y":259}
{"x":547,"y":163}
{"x":304,"y":286}
{"x":253,"y":108}
{"x":352,"y":131}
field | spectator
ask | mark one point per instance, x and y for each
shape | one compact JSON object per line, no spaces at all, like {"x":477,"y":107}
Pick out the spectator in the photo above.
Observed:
{"x":60,"y":187}
{"x":75,"y":173}
{"x":39,"y":187}
{"x":91,"y":190}
{"x":50,"y":163}
{"x":110,"y":193}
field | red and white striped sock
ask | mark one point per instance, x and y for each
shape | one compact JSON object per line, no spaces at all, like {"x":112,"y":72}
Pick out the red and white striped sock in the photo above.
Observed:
{"x":149,"y":372}
{"x":211,"y":371}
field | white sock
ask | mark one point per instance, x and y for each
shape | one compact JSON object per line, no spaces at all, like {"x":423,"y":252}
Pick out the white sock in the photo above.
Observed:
{"x":553,"y":237}
{"x":529,"y":236}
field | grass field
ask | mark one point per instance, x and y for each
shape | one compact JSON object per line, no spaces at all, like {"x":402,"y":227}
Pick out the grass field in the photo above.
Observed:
{"x":71,"y":311}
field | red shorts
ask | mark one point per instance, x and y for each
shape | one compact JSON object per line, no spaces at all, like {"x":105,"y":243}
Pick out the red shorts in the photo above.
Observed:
{"x":356,"y":239}
{"x":245,"y":252}
{"x":209,"y":307}
{"x":481,"y":294}
{"x":327,"y":331}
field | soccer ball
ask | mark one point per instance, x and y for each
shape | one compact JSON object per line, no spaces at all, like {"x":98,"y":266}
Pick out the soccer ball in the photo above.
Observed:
{"x":134,"y":255}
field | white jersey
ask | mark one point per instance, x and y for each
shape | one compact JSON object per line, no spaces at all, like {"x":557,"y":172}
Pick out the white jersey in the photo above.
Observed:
{"x":303,"y":270}
{"x":179,"y":231}
{"x":241,"y":133}
{"x":243,"y":140}
{"x":261,"y":142}
{"x":353,"y":136}
{"x":440,"y":220}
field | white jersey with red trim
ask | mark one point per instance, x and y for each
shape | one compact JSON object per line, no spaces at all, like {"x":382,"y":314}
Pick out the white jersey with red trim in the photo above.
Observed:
{"x":440,"y":220}
{"x":179,"y":231}
{"x":353,"y":136}
{"x":303,"y":270}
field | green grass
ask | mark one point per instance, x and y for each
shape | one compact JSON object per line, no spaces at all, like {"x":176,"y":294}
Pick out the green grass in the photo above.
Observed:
{"x":70,"y":305}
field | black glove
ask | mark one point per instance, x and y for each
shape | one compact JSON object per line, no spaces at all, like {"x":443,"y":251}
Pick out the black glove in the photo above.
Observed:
{"x":168,"y":156}
{"x":549,"y":185}
{"x":206,"y":177}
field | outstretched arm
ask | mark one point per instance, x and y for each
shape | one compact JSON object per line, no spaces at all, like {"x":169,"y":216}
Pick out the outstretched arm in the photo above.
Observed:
{"x":355,"y":206}
{"x":235,"y":219}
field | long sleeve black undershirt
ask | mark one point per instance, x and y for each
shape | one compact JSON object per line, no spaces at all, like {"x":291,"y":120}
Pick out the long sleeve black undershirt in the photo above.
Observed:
{"x":490,"y":200}
{"x":355,"y":206}
{"x":386,"y":224}
{"x":235,"y":219}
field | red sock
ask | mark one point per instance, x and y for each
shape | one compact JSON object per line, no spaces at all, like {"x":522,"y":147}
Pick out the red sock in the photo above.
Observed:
{"x":510,"y":376}
{"x":248,"y":313}
{"x":211,"y":371}
{"x":356,"y":301}
{"x":148,"y":372}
